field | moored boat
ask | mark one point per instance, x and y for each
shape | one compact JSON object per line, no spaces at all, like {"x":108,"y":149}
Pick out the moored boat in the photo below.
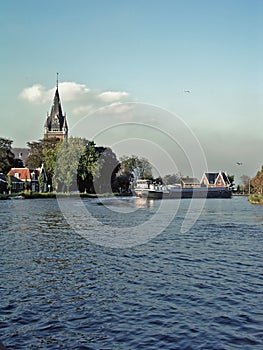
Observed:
{"x":18,"y":197}
{"x":146,"y":189}
{"x":199,"y":192}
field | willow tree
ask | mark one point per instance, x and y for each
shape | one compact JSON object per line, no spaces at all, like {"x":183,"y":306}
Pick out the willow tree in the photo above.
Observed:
{"x":50,"y":153}
{"x":67,"y":163}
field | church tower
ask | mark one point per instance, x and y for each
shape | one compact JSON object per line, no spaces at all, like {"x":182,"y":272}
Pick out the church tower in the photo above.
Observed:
{"x":56,"y":123}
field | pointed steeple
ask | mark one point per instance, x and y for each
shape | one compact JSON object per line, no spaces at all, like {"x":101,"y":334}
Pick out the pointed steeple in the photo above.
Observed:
{"x":56,"y":109}
{"x":56,"y":124}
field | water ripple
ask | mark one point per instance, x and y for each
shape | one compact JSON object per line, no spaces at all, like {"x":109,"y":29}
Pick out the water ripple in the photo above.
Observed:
{"x":198,"y":290}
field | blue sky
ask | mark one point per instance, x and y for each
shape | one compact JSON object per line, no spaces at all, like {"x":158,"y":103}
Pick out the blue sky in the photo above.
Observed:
{"x":148,"y":51}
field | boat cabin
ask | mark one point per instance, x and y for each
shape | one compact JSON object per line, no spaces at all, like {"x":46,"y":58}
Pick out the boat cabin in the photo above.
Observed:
{"x":190,"y":182}
{"x":217,"y":179}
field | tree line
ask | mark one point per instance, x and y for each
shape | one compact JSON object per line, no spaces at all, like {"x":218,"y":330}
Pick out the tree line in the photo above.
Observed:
{"x":77,"y":165}
{"x":80,"y":165}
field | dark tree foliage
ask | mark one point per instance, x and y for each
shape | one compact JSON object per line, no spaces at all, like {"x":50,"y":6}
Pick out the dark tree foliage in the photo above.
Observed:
{"x":135,"y":166}
{"x":172,"y":179}
{"x":97,"y":169}
{"x":6,"y":155}
{"x":121,"y":183}
{"x":87,"y":167}
{"x":231,"y":178}
{"x":35,"y":158}
{"x":18,"y":163}
{"x":108,"y":167}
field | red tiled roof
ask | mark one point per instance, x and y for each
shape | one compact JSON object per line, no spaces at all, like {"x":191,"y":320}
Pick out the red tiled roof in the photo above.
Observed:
{"x":24,"y":173}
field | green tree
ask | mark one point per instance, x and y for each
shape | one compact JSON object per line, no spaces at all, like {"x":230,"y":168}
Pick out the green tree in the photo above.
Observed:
{"x":88,"y":166}
{"x":136,"y":167}
{"x":121,"y":183}
{"x":172,"y":179}
{"x":67,"y":162}
{"x":107,"y":168}
{"x":44,"y":152}
{"x":36,"y":157}
{"x":6,"y":155}
{"x":50,"y":154}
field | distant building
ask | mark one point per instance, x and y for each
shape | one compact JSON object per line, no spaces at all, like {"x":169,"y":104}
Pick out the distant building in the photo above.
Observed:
{"x":7,"y":180}
{"x":217,"y":179}
{"x":190,"y":182}
{"x":56,"y":123}
{"x":39,"y":180}
{"x":21,"y":154}
{"x":22,"y":174}
{"x":35,"y":180}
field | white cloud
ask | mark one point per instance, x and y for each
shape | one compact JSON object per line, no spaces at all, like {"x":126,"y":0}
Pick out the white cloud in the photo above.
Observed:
{"x":70,"y":91}
{"x":81,"y":99}
{"x":36,"y":94}
{"x":112,"y":96}
{"x":117,"y":108}
{"x":83,"y":110}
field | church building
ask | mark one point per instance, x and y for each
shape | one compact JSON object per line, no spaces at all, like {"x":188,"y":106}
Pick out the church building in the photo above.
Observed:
{"x":56,"y":123}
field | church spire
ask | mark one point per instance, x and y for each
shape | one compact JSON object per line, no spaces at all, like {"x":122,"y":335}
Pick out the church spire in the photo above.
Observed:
{"x":56,"y":124}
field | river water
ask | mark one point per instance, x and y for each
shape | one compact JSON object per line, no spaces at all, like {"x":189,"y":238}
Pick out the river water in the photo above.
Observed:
{"x":201,"y":289}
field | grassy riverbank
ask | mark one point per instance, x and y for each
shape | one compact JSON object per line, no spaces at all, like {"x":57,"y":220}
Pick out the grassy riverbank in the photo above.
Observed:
{"x":255,"y":198}
{"x":36,"y":195}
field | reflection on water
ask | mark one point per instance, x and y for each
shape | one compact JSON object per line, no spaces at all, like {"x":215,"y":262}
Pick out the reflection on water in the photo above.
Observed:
{"x":196,"y":290}
{"x":127,"y":204}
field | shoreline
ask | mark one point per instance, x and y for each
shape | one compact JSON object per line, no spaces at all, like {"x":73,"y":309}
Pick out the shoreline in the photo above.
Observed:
{"x":255,"y":199}
{"x":53,"y":195}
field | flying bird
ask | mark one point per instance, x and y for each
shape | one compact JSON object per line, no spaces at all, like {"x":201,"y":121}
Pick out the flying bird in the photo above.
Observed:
{"x":239,"y":163}
{"x":187,"y":91}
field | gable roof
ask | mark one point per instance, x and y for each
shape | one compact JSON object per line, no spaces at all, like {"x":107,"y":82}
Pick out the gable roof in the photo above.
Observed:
{"x":226,"y":179}
{"x":212,"y":177}
{"x":23,"y":173}
{"x":3,"y":178}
